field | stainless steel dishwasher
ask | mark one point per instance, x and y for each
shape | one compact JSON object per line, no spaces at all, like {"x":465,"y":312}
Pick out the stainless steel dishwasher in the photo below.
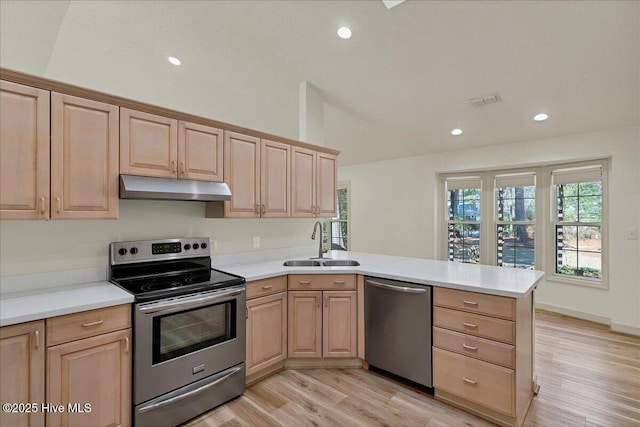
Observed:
{"x":397,"y":330}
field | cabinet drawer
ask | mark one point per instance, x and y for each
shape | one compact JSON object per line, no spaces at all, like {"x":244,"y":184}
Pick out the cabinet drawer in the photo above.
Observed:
{"x":477,"y":381}
{"x":269,"y":286}
{"x":86,"y":324}
{"x":473,"y":302}
{"x":478,"y":348}
{"x":322,"y":281}
{"x":475,"y":324}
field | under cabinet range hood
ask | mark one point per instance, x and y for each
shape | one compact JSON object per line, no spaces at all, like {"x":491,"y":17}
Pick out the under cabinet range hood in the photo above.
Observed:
{"x":144,"y":187}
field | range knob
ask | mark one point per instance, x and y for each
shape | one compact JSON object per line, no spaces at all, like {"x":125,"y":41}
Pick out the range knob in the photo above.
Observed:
{"x":122,"y":251}
{"x":203,"y":246}
{"x":133,"y":250}
{"x":196,"y":246}
{"x":187,"y":247}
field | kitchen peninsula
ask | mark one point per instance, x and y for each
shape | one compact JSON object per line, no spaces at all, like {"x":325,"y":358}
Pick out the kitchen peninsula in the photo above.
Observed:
{"x":499,"y":303}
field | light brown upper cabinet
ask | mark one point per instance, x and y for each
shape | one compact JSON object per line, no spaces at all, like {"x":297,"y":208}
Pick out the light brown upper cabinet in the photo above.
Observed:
{"x":24,"y":152}
{"x":258,"y":174}
{"x":158,"y":146}
{"x":84,"y":158}
{"x":313,"y":177}
{"x":58,"y":161}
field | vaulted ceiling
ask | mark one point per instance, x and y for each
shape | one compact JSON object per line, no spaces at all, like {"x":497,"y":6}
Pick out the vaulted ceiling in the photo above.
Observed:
{"x":395,"y":89}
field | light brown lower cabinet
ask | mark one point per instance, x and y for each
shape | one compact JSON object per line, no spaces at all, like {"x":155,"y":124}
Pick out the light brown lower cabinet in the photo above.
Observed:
{"x":322,"y":324}
{"x":22,"y":373}
{"x":266,"y":331}
{"x":483,"y":354}
{"x":89,"y":368}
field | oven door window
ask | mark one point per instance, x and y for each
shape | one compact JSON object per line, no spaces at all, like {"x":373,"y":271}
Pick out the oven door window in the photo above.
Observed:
{"x":185,"y":332}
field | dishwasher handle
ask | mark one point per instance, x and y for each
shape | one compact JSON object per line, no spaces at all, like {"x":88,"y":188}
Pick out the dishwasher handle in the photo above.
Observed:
{"x":405,"y":289}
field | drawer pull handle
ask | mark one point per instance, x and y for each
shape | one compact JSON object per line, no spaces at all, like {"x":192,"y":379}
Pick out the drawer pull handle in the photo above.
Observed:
{"x":126,"y":345}
{"x":470,"y":302}
{"x":97,"y":322}
{"x":42,"y":205}
{"x":59,"y":203}
{"x":317,"y":301}
{"x":469,"y":325}
{"x":267,"y":287}
{"x":304,"y":282}
{"x":173,"y":167}
{"x":182,"y":168}
{"x":469,"y":347}
{"x":339,"y":282}
{"x":467,"y":380}
{"x":36,"y":335}
{"x":264,"y":209}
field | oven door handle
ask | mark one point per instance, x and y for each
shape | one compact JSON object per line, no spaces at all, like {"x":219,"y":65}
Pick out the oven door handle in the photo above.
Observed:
{"x":189,"y":301}
{"x":169,"y":401}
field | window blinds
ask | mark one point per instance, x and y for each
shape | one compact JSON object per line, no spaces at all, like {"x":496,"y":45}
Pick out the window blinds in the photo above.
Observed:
{"x":460,"y":183}
{"x":515,"y":180}
{"x":579,"y":174}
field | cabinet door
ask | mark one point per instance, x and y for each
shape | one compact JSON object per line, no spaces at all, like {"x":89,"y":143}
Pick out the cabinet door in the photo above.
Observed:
{"x":199,"y":152}
{"x":24,"y":152}
{"x":84,"y":158}
{"x":22,"y":371}
{"x":266,"y":331}
{"x":305,"y":324}
{"x":303,"y":182}
{"x":326,"y":185}
{"x":339,"y":324}
{"x":242,"y":174}
{"x":148,"y":144}
{"x":95,"y":371}
{"x":275,"y":170}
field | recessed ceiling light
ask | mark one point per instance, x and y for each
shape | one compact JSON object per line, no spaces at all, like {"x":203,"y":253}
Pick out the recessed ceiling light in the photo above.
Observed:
{"x":174,"y":60}
{"x":344,"y":33}
{"x":540,"y":117}
{"x":456,"y":132}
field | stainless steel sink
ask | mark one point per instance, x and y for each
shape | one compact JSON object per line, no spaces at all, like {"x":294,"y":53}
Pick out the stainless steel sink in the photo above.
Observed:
{"x":302,"y":263}
{"x":340,"y":263}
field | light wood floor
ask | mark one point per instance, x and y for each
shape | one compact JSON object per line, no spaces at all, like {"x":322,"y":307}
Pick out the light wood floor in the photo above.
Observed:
{"x":588,"y":376}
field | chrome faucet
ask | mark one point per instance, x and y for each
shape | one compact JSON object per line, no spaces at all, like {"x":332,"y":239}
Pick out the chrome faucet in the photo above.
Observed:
{"x":313,"y":236}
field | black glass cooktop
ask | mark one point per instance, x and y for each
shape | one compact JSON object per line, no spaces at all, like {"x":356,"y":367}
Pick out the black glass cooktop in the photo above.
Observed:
{"x":156,"y":284}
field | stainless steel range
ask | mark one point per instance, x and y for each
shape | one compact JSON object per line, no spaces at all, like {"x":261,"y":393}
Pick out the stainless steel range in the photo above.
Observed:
{"x":188,"y":328}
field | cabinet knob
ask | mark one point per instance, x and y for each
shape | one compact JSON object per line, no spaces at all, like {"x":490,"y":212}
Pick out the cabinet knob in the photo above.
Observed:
{"x":173,"y":166}
{"x":182,"y":168}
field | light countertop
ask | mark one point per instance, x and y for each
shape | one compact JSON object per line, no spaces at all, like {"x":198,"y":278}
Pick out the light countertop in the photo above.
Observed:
{"x":35,"y":304}
{"x":509,"y":282}
{"x":20,"y":302}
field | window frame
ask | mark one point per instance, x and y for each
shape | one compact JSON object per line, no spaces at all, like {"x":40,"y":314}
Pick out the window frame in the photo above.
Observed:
{"x":544,"y":224}
{"x":483,"y":211}
{"x":342,"y":185}
{"x":550,"y":271}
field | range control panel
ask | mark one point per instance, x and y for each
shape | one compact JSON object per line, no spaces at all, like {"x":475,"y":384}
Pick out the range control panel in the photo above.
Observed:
{"x":158,"y":250}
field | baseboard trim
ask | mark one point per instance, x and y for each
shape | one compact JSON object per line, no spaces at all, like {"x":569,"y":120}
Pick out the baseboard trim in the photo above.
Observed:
{"x":625,"y":329}
{"x":614,"y":327}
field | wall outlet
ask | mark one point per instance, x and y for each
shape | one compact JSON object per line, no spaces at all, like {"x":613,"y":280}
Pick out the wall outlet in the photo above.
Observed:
{"x":256,"y":242}
{"x":631,"y":233}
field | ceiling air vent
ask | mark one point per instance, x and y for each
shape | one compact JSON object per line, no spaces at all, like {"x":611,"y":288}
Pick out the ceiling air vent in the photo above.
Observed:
{"x":485,"y":100}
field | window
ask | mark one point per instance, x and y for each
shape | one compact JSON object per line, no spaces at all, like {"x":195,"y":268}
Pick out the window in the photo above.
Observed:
{"x":339,"y":226}
{"x":578,"y":222}
{"x":515,"y":220}
{"x":463,"y":218}
{"x":550,"y":218}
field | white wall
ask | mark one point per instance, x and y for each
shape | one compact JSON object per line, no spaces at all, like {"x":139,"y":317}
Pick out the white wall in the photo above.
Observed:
{"x":394,"y":211}
{"x":28,"y":247}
